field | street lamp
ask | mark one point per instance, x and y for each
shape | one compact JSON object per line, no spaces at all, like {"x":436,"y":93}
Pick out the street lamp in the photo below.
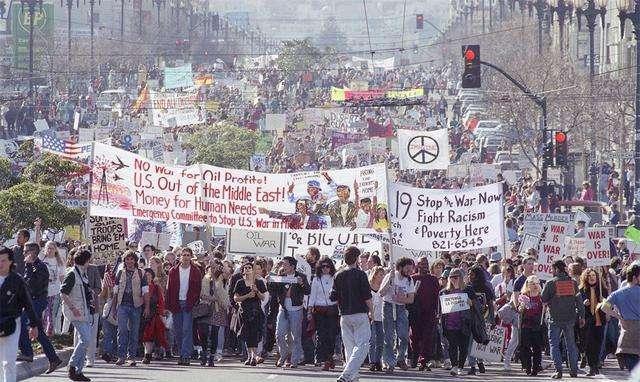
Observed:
{"x":561,"y":8}
{"x":629,"y":10}
{"x":590,"y":13}
{"x":91,"y":15}
{"x":69,"y":5}
{"x":540,"y":7}
{"x":31,"y":4}
{"x":158,"y":4}
{"x":121,"y":21}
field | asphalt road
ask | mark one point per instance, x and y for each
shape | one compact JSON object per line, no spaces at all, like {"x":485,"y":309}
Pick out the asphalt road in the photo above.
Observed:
{"x":231,"y":370}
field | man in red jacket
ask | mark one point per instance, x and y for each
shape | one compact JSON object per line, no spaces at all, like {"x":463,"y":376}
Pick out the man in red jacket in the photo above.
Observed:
{"x":183,"y":292}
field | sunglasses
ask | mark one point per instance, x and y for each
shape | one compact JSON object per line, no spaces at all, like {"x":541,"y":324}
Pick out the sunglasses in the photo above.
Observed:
{"x":326,"y":266}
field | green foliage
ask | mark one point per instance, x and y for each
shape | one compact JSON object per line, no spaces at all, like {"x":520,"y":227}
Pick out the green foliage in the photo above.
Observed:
{"x":21,"y":204}
{"x":297,"y":56}
{"x":264,"y":143}
{"x":6,"y":176}
{"x":50,"y":170}
{"x":223,"y":145}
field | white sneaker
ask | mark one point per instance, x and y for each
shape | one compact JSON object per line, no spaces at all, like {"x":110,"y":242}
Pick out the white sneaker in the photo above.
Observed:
{"x":454,"y":371}
{"x":447,"y":364}
{"x":218,"y":357}
{"x":506,"y":366}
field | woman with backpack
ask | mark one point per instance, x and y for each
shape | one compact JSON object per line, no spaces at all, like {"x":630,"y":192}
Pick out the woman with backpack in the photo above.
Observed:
{"x":530,"y":307}
{"x":483,"y":297}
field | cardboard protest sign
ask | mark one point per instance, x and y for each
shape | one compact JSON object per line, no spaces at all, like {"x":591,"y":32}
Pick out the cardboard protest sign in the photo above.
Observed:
{"x":454,"y":302}
{"x":175,"y":109}
{"x":330,"y":244}
{"x":130,"y":186}
{"x":159,"y":240}
{"x":552,"y":248}
{"x":197,"y":247}
{"x":423,"y":150}
{"x":534,"y":221}
{"x":529,"y":241}
{"x":108,"y":237}
{"x":254,"y":242}
{"x":597,"y":250}
{"x":491,"y":352}
{"x":574,"y":246}
{"x":447,"y":220}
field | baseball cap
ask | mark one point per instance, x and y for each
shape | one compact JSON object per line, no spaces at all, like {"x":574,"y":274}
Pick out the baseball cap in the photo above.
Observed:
{"x":313,"y":183}
{"x":495,"y":257}
{"x":455,"y":272}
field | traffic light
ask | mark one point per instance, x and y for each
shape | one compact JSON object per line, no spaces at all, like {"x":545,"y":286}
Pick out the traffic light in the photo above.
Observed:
{"x":420,"y":21}
{"x":562,"y":148}
{"x":215,"y":25}
{"x":471,"y":75}
{"x":547,"y":155}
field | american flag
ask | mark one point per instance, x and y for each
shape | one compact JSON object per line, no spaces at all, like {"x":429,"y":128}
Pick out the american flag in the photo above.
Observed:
{"x":65,"y":148}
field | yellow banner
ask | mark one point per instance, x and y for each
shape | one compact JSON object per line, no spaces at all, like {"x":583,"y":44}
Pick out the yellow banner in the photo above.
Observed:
{"x":337,"y":94}
{"x":403,"y":94}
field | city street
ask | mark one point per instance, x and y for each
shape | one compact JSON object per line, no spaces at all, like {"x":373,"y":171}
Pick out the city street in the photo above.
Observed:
{"x":229,"y":371}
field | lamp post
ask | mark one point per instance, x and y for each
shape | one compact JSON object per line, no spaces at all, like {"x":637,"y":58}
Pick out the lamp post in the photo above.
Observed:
{"x":591,"y":9}
{"x":92,"y":3}
{"x":158,"y":4}
{"x":561,"y":8}
{"x":591,"y":13}
{"x":630,"y":10}
{"x":31,"y":4}
{"x":540,"y":7}
{"x":121,"y":21}
{"x":69,"y":5}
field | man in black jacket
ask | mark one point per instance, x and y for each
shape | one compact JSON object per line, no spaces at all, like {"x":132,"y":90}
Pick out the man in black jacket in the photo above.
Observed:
{"x":36,"y":277}
{"x":14,"y":299}
{"x":290,"y":290}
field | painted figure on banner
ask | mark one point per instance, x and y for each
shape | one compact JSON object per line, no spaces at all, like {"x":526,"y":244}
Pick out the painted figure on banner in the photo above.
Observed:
{"x":314,"y":194}
{"x":303,"y":218}
{"x":342,"y":211}
{"x":366,"y":214}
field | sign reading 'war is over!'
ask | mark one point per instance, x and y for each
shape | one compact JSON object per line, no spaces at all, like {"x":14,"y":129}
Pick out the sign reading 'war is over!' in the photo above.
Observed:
{"x":446,"y":220}
{"x":130,"y":186}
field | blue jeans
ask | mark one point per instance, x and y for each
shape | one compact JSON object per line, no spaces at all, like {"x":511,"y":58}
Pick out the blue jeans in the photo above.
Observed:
{"x":290,"y":322}
{"x":128,"y":328}
{"x":376,"y":342}
{"x":83,"y":328}
{"x":39,"y":305}
{"x":109,"y":332}
{"x":398,"y":327}
{"x":183,"y":330}
{"x":556,"y":329}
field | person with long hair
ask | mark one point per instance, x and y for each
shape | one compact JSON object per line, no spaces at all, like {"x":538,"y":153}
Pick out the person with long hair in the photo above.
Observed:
{"x":156,"y":265}
{"x":56,"y":266}
{"x":153,"y":328}
{"x":376,"y":343}
{"x":215,"y":295}
{"x":454,"y":325}
{"x":249,"y":292}
{"x":325,"y":312}
{"x":530,"y":306}
{"x":592,"y":293}
{"x":503,"y":292}
{"x":381,"y":221}
{"x":484,"y":295}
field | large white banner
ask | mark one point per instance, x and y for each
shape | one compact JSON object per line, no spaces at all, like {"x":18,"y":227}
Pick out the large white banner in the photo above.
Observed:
{"x":130,"y":186}
{"x":330,"y":244}
{"x":447,"y":220}
{"x":175,"y":109}
{"x":423,"y":150}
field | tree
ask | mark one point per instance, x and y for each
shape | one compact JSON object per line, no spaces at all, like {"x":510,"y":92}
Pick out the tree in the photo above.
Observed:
{"x":297,"y":56}
{"x":50,"y":169}
{"x":223,"y":145}
{"x":22,"y":204}
{"x":6,"y":176}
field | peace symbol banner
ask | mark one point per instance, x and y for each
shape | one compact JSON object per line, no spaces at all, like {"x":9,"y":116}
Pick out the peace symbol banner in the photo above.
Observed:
{"x":423,"y":150}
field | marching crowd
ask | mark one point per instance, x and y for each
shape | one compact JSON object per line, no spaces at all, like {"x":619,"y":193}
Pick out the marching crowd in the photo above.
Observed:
{"x":384,"y":312}
{"x":153,"y":305}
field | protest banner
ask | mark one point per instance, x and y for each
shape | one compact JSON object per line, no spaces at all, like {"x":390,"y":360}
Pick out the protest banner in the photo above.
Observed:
{"x":254,"y":242}
{"x":160,"y":240}
{"x":197,"y":247}
{"x":447,"y":220}
{"x":178,"y":77}
{"x":454,"y":302}
{"x":529,"y":241}
{"x":399,"y":252}
{"x":108,"y":237}
{"x":130,"y":186}
{"x":534,"y":221}
{"x":339,"y":139}
{"x":491,"y":352}
{"x":596,"y":246}
{"x":552,"y":248}
{"x":423,"y":150}
{"x":574,"y":246}
{"x":175,"y":109}
{"x":330,"y":244}
{"x":275,"y":122}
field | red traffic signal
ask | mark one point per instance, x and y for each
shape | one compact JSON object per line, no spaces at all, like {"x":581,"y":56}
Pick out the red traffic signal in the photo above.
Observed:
{"x":469,"y":55}
{"x":560,"y":137}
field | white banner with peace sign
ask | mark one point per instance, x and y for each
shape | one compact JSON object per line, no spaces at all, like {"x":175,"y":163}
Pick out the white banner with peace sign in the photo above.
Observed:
{"x":423,"y":150}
